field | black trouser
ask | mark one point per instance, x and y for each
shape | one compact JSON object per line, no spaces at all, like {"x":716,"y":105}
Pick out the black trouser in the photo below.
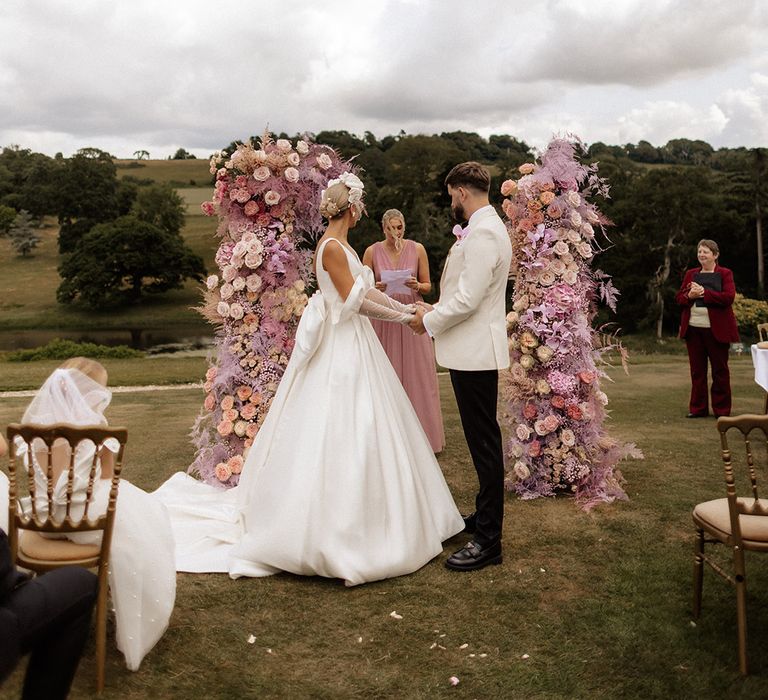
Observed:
{"x":48,"y":618}
{"x":476,"y":396}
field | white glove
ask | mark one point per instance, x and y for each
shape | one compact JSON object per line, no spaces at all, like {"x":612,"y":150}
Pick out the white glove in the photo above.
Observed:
{"x":378,"y":305}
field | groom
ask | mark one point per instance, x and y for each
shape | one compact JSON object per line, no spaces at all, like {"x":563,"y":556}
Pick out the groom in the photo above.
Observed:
{"x":468,"y":324}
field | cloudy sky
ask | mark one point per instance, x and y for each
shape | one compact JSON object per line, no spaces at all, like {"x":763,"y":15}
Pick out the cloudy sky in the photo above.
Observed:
{"x":124,"y":75}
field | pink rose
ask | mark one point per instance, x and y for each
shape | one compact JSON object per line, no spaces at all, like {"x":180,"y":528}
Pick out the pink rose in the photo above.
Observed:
{"x":551,"y":423}
{"x":261,"y":173}
{"x":522,"y":431}
{"x":255,"y":397}
{"x":586,"y":377}
{"x":525,"y":225}
{"x":222,"y":471}
{"x":534,"y":449}
{"x":227,"y":290}
{"x":210,"y":402}
{"x":251,"y":208}
{"x":224,"y":428}
{"x":208,"y":208}
{"x":207,"y":386}
{"x":253,"y":260}
{"x":529,"y":411}
{"x":574,"y":412}
{"x":527,"y":168}
{"x":248,"y":411}
{"x":508,"y":187}
{"x":554,"y":211}
{"x":263,"y":220}
{"x":244,"y":392}
{"x":251,"y":430}
{"x":557,"y":401}
{"x":547,"y":198}
{"x":253,"y":283}
{"x":211,"y":373}
{"x":231,"y":415}
{"x":236,"y":464}
{"x":291,"y":174}
{"x":227,"y":402}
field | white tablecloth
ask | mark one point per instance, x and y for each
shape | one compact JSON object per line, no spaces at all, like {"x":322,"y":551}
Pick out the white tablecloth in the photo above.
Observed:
{"x":760,"y":361}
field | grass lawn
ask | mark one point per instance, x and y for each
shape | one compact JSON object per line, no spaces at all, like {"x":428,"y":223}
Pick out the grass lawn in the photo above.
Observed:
{"x":180,"y":173}
{"x":599,"y":601}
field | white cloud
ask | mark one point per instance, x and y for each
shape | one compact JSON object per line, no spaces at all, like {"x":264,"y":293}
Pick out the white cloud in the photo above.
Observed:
{"x":659,"y":122}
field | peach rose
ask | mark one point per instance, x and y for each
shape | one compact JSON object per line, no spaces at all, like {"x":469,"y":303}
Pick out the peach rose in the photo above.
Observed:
{"x":248,"y":411}
{"x":529,"y":411}
{"x":534,"y":449}
{"x":227,"y":403}
{"x":222,"y":471}
{"x":527,"y":168}
{"x":557,"y":401}
{"x":210,"y":402}
{"x":236,"y":464}
{"x":224,"y":428}
{"x":547,"y":198}
{"x":521,"y":470}
{"x":243,"y":392}
{"x":508,"y":187}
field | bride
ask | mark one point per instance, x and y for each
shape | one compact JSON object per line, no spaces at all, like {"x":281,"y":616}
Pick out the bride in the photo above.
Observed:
{"x":341,"y":480}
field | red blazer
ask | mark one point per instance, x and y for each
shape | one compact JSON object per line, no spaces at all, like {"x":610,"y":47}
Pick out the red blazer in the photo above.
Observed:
{"x":719,"y":304}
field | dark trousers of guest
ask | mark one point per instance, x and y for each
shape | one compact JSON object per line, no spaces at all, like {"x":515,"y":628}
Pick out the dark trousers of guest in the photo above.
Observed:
{"x":703,"y":347}
{"x":48,"y":618}
{"x":476,"y":396}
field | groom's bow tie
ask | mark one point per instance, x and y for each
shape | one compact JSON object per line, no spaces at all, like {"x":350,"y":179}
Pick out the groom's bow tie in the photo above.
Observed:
{"x":460,"y":232}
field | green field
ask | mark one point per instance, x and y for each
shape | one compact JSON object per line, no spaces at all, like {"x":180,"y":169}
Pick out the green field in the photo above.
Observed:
{"x":180,"y":173}
{"x":600,"y":602}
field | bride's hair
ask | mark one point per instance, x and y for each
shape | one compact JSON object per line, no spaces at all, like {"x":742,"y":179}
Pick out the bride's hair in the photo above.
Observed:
{"x":90,"y":368}
{"x":335,"y":201}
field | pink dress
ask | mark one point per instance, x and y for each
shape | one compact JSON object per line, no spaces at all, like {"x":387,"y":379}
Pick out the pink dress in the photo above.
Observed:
{"x":412,"y":356}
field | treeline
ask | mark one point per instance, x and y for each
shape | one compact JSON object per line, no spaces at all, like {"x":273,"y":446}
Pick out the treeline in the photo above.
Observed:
{"x":663,"y":200}
{"x":119,"y":238}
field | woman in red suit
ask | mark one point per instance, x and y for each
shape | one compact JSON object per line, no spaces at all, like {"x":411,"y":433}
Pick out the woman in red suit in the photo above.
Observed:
{"x":709,"y":327}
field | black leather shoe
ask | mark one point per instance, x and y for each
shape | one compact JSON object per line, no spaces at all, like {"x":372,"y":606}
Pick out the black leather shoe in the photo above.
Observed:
{"x":470,"y":522}
{"x":697,"y":415}
{"x":474,"y":556}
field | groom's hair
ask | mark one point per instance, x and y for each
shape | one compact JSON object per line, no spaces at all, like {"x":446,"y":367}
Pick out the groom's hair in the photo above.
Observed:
{"x":469,"y":174}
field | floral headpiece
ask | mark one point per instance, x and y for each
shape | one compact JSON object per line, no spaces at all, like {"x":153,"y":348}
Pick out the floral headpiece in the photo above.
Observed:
{"x":355,"y":198}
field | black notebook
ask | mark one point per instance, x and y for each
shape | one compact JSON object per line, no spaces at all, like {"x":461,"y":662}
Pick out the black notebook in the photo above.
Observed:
{"x":709,"y":280}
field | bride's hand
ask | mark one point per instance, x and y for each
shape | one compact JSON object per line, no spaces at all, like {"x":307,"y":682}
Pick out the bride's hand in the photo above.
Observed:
{"x":381,"y":286}
{"x":425,"y":306}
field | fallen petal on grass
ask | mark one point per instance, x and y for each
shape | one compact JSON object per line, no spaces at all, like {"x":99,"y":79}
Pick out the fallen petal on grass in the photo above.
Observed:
{"x":453,"y":680}
{"x":395,"y":615}
{"x":464,"y":646}
{"x":525,"y":656}
{"x":251,"y":639}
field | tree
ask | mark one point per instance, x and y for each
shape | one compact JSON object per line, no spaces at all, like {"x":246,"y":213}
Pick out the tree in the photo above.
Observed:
{"x":120,"y":261}
{"x":182,"y":154}
{"x":160,"y":205}
{"x":141,"y":155}
{"x":7,"y":217}
{"x":23,"y":233}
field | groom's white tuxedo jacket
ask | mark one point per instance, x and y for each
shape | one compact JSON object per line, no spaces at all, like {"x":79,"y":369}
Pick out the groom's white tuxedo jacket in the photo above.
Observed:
{"x":468,"y":322}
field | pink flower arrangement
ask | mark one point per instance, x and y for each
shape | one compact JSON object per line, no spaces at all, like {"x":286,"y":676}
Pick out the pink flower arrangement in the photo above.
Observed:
{"x":556,"y":441}
{"x":266,"y":198}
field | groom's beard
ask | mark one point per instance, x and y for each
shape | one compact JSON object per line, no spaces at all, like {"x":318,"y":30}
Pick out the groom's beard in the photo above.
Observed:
{"x":459,"y":216}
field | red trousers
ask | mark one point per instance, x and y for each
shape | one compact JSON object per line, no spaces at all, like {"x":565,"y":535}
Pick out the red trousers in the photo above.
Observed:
{"x":702,"y":346}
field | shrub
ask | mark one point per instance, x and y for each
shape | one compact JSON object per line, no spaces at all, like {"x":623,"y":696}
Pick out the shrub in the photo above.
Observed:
{"x":59,"y":349}
{"x":749,"y":312}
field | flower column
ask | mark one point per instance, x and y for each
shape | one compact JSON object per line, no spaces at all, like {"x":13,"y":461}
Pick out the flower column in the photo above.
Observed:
{"x":553,"y":406}
{"x":267,"y":201}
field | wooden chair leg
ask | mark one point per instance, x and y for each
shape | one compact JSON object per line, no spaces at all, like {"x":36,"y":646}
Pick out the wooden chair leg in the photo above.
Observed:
{"x":765,"y":404}
{"x":740,"y":580}
{"x":698,"y":572}
{"x":101,"y":629}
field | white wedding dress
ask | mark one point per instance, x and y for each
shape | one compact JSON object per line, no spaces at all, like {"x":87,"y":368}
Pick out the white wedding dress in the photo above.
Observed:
{"x":341,"y":480}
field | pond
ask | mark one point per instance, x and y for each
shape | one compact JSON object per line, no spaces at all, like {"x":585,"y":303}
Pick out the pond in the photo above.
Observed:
{"x":192,"y":336}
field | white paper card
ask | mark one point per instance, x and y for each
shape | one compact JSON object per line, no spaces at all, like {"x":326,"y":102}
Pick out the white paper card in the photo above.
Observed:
{"x":395,"y":281}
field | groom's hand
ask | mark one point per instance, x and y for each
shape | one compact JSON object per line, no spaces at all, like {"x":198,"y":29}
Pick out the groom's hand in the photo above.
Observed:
{"x":416,"y":324}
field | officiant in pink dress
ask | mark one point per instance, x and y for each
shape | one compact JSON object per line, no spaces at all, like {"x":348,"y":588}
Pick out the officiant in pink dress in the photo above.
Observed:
{"x":402,"y":272}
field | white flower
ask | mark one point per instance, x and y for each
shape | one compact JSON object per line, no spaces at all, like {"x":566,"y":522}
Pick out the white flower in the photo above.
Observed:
{"x":522,"y":431}
{"x":570,"y":277}
{"x":212,"y":282}
{"x":227,"y":290}
{"x":253,"y":283}
{"x":284,"y":145}
{"x":293,"y":159}
{"x":547,"y":278}
{"x":592,"y":217}
{"x":527,"y":361}
{"x":560,"y":248}
{"x":255,"y":246}
{"x":521,"y":470}
{"x":240,"y":427}
{"x":236,"y":311}
{"x":222,"y":308}
{"x":238,"y":283}
{"x":324,"y":162}
{"x":512,"y":318}
{"x":567,"y":258}
{"x":585,"y":250}
{"x":576,"y":218}
{"x":544,"y":353}
{"x":587,"y":231}
{"x":291,"y":174}
{"x":272,"y":198}
{"x":602,"y":397}
{"x":239,"y":251}
{"x":573,"y":199}
{"x":260,"y":155}
{"x":567,"y":437}
{"x":573,"y":236}
{"x":521,"y":303}
{"x":302,"y":147}
{"x":557,"y":266}
{"x":253,"y":260}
